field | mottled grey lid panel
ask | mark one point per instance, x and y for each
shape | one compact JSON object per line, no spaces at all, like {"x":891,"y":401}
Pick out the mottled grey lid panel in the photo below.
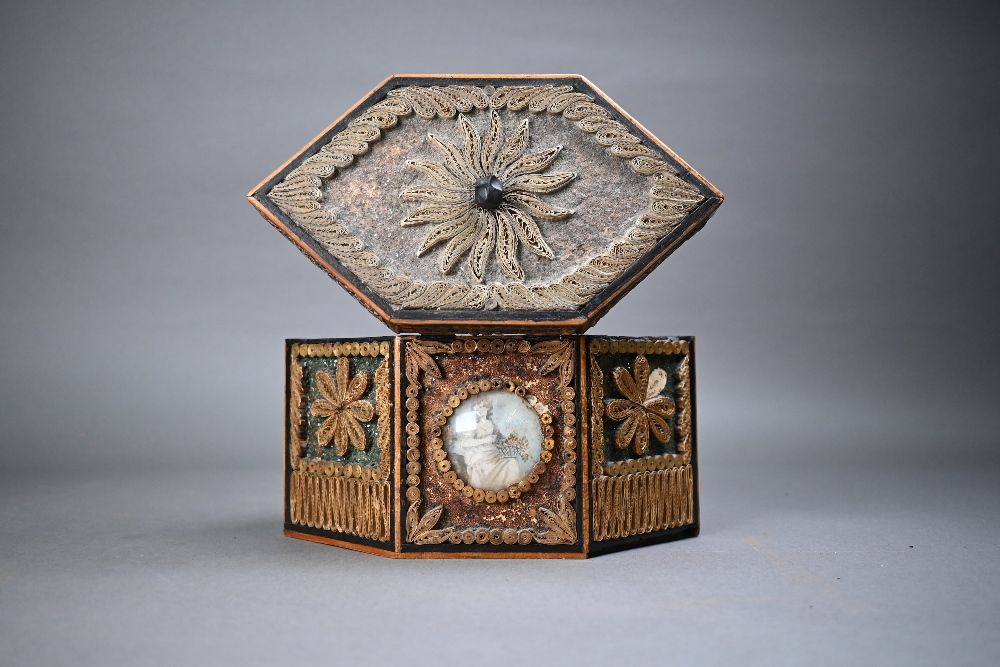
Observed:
{"x":488,"y":200}
{"x":605,"y":197}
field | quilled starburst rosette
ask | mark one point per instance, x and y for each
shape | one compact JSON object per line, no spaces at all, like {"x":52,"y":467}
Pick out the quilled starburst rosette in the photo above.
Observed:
{"x":493,"y":203}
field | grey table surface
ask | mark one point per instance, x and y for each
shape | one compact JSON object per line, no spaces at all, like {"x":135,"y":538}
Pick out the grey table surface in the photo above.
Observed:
{"x":794,"y":566}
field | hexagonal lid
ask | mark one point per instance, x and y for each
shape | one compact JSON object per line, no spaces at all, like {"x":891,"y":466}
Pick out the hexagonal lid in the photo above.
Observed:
{"x":479,"y":204}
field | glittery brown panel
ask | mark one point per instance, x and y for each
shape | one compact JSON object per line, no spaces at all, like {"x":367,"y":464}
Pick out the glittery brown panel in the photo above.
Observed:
{"x":437,"y":509}
{"x":460,"y":511}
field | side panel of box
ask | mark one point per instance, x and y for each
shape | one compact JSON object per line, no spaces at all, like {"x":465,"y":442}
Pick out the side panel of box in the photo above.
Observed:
{"x":643,"y":479}
{"x":339,"y":442}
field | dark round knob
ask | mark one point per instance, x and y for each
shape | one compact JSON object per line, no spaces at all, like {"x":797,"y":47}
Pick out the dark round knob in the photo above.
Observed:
{"x":489,"y":192}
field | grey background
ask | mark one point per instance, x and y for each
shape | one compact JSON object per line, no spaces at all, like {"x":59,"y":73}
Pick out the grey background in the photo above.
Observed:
{"x":844,"y":299}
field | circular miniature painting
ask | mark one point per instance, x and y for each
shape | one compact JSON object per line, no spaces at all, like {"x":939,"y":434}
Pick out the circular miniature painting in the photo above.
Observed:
{"x":493,"y":440}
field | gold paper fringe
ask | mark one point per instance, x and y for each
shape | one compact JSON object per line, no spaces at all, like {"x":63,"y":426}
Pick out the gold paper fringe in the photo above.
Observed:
{"x":341,"y":504}
{"x":643,"y":502}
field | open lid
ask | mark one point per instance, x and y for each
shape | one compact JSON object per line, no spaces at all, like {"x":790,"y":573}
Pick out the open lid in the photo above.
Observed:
{"x":487,"y":204}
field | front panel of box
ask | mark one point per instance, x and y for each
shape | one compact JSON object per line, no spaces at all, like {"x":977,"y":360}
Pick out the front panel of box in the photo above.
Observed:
{"x":492,"y":456}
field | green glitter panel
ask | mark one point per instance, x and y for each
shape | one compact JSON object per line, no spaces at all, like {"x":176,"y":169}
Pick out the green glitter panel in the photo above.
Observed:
{"x":310,"y":366}
{"x":670,"y":363}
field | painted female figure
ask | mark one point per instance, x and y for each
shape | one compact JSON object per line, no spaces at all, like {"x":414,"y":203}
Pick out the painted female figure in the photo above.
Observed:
{"x":489,"y":468}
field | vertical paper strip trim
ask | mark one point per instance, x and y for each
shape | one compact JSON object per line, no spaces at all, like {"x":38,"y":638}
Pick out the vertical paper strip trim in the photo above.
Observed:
{"x":642,"y":502}
{"x":345,"y":505}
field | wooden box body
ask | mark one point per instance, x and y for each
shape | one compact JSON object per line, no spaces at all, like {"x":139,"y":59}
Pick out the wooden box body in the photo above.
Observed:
{"x":516,"y":207}
{"x":491,"y":447}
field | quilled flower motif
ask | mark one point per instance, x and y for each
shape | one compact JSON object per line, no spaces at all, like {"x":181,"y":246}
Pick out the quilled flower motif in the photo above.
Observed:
{"x":342,"y":407}
{"x":643,"y":409}
{"x":483,"y":198}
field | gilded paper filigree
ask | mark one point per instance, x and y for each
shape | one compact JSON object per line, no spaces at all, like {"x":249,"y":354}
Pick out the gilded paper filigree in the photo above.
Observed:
{"x":643,"y":410}
{"x":343,"y":409}
{"x":483,"y":198}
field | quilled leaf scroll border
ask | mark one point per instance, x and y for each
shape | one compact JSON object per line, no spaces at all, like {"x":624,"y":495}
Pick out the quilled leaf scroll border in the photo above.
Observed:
{"x":421,"y":528}
{"x":300,"y":196}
